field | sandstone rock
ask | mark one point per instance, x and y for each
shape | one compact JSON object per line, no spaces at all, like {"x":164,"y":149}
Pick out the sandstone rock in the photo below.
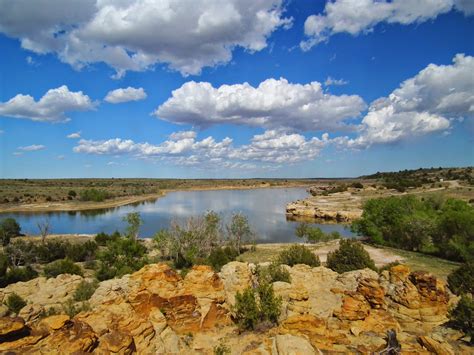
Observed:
{"x":53,"y":322}
{"x":116,"y":342}
{"x":236,"y":277}
{"x":373,"y":292}
{"x":354,"y":307}
{"x":287,"y":344}
{"x":435,"y":346}
{"x":3,"y":310}
{"x":11,"y":326}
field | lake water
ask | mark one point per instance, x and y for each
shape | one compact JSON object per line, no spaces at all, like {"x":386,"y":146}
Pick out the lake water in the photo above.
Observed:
{"x":265,"y":209}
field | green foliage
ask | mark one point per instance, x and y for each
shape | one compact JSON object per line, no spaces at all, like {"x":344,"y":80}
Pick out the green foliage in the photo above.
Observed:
{"x":350,"y":255}
{"x":298,"y":254}
{"x":256,"y":306}
{"x":221,"y":256}
{"x":63,"y":266}
{"x":15,"y":303}
{"x":461,"y":280}
{"x":102,"y":238}
{"x":85,"y":290}
{"x":17,"y":274}
{"x":3,"y":265}
{"x":72,"y":193}
{"x":462,"y":316}
{"x":273,"y":273}
{"x":432,"y":226}
{"x":357,"y":185}
{"x":314,"y":234}
{"x":221,"y":349}
{"x":9,"y":228}
{"x":120,"y":257}
{"x":81,"y":251}
{"x":134,"y":222}
{"x":94,"y":195}
{"x":239,"y":231}
{"x":72,"y":309}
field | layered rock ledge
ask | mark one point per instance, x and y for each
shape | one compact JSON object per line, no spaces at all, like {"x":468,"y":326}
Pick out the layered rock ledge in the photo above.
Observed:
{"x":155,"y":310}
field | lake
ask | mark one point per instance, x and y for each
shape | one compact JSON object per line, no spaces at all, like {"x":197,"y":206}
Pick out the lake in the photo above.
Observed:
{"x":265,"y":209}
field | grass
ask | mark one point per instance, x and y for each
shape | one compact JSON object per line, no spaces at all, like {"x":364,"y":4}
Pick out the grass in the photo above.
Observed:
{"x":422,"y":262}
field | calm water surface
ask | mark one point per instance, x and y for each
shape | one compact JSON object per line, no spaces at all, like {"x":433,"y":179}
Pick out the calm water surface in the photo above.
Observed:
{"x":265,"y":209}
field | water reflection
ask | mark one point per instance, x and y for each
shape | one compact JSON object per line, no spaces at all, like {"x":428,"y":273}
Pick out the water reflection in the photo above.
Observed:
{"x":265,"y":209}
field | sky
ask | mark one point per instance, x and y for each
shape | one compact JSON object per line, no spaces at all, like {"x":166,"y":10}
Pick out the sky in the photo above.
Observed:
{"x":234,"y":89}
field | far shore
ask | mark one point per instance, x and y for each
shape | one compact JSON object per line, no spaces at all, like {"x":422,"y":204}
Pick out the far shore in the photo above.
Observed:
{"x":74,"y":206}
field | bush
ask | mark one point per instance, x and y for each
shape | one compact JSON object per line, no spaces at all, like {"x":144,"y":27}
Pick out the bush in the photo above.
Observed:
{"x":50,"y":250}
{"x":298,"y":254}
{"x":9,"y":228}
{"x":15,"y":303}
{"x":221,"y":256}
{"x":314,"y":234}
{"x":249,"y":313}
{"x":81,"y":251}
{"x":94,"y":195}
{"x":102,"y":238}
{"x":63,"y":266}
{"x":357,"y":185}
{"x":273,"y":273}
{"x":3,"y":265}
{"x":85,"y":290}
{"x":461,"y":280}
{"x":462,"y":316}
{"x":350,"y":255}
{"x":72,"y":309}
{"x":221,"y":349}
{"x":121,"y":256}
{"x":72,"y":193}
{"x":17,"y":274}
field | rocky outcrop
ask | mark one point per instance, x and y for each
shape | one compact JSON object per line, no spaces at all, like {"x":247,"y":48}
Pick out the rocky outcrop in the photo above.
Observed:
{"x":341,"y":208}
{"x":42,"y":294}
{"x":155,"y":310}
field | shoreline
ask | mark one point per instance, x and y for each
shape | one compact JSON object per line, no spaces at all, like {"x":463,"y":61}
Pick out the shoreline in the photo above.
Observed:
{"x":118,"y":202}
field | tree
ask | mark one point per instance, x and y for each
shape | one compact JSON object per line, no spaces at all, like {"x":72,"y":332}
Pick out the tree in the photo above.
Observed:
{"x":351,"y":255}
{"x":239,"y":230}
{"x":9,"y":228}
{"x":44,"y":229}
{"x":134,"y":222}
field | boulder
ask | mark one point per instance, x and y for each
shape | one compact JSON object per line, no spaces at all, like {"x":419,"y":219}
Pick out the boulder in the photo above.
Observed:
{"x":287,"y":344}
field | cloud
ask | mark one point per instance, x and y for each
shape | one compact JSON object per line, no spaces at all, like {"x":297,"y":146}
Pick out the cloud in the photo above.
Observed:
{"x":60,"y":157}
{"x":337,"y":82}
{"x":273,"y":104}
{"x":32,"y":148}
{"x":182,"y":148}
{"x":135,"y":35}
{"x":356,"y":16}
{"x":74,"y":135}
{"x":124,"y":95}
{"x":52,"y":107}
{"x":425,"y":103}
{"x":2,"y":131}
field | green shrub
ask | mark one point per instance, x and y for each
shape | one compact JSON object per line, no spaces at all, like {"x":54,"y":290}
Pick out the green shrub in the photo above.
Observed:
{"x":72,"y":193}
{"x":461,"y":280}
{"x":102,"y":238}
{"x":221,"y":256}
{"x":72,"y":309}
{"x":273,"y":273}
{"x":85,"y":290}
{"x":81,"y":251}
{"x":50,"y":250}
{"x":357,"y":185}
{"x":17,"y":274}
{"x":221,"y":349}
{"x":120,"y":257}
{"x":256,"y":306}
{"x":3,"y":265}
{"x":94,"y":195}
{"x":9,"y":228}
{"x":314,"y":234}
{"x":298,"y":254}
{"x":350,"y":255}
{"x":15,"y":303}
{"x":63,"y":266}
{"x":462,"y":316}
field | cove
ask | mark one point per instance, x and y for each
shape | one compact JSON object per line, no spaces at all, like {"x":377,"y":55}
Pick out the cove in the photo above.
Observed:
{"x":265,"y":209}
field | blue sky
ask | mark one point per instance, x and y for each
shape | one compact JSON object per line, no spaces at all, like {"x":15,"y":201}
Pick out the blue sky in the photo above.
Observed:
{"x":264,"y":88}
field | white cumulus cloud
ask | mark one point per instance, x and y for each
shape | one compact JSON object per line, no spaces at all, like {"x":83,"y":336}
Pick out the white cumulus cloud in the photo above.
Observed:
{"x":183,"y":148}
{"x":135,"y":35}
{"x":273,"y":104}
{"x":32,"y":148}
{"x":52,"y":107}
{"x":74,"y":135}
{"x":124,"y":95}
{"x":425,"y":103}
{"x":356,"y":16}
